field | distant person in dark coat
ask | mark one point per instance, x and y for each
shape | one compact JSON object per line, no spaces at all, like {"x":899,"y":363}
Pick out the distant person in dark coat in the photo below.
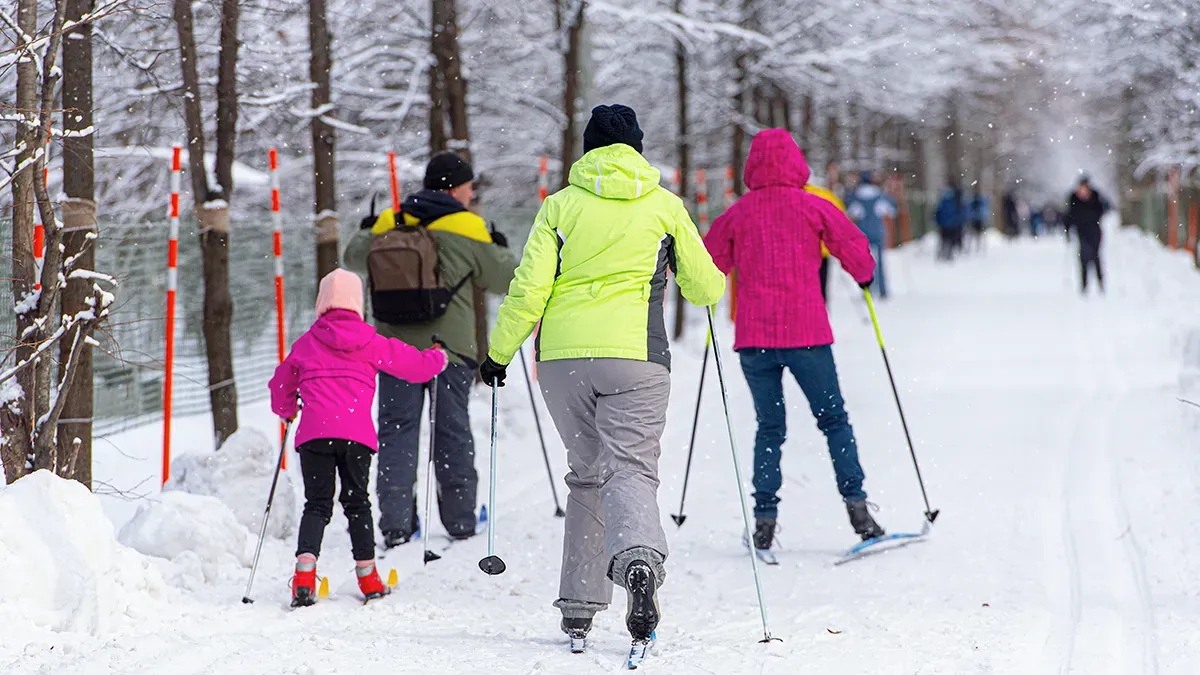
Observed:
{"x":950,"y":217}
{"x":1085,"y":208}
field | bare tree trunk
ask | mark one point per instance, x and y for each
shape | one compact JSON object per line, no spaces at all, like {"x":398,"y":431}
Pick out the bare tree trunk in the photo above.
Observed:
{"x":323,"y":137}
{"x":450,"y":87}
{"x":684,"y":149}
{"x":833,"y":135}
{"x":437,"y":110}
{"x":213,"y":217}
{"x":15,"y":418}
{"x":570,"y":15}
{"x":738,"y":136}
{"x":79,"y":220}
{"x":806,"y":125}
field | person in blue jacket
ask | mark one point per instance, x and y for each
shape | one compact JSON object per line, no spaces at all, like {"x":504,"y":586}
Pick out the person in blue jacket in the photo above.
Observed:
{"x":868,"y":207}
{"x":950,"y":217}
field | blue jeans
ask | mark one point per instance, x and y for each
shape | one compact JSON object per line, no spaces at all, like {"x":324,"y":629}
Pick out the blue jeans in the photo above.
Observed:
{"x":816,"y":374}
{"x":879,"y":287}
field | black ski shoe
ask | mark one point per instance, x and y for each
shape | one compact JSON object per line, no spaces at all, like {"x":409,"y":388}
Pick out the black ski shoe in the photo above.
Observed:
{"x":393,"y":539}
{"x":642,"y":588}
{"x":860,"y":518}
{"x":764,"y":533}
{"x":577,"y":630}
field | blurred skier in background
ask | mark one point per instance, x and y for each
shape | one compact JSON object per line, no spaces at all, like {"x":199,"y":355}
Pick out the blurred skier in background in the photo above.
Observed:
{"x":1085,"y":208}
{"x":869,"y":208}
{"x":979,"y":212}
{"x":950,"y":217}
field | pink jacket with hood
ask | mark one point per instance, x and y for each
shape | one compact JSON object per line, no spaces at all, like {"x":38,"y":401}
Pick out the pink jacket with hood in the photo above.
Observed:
{"x":772,"y":236}
{"x":332,"y":367}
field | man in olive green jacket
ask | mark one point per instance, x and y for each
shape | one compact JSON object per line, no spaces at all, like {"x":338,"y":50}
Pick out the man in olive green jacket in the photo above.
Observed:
{"x":466,"y":252}
{"x":594,"y":272}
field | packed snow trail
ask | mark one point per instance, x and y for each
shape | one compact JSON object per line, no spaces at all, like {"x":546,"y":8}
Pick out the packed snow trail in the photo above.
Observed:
{"x":1047,"y":429}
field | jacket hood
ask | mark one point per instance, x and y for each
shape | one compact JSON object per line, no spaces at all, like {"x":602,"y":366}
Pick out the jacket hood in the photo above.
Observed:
{"x":615,"y":172}
{"x":775,"y":160}
{"x":429,"y":205}
{"x":343,"y":330}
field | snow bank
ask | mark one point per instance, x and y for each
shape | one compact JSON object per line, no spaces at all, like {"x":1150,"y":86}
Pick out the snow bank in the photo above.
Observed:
{"x":196,"y":532}
{"x":62,"y":567}
{"x":239,"y":474}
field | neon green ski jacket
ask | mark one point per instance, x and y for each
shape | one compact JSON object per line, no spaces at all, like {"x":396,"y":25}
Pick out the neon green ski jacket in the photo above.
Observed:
{"x":594,"y":270}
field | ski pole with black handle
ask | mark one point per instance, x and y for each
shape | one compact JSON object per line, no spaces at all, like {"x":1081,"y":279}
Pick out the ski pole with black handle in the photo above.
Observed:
{"x":931,"y":513}
{"x":426,"y":525}
{"x":431,"y":556}
{"x":737,"y":472}
{"x":687,"y":472}
{"x":558,"y":510}
{"x":492,"y":564}
{"x":262,"y":530}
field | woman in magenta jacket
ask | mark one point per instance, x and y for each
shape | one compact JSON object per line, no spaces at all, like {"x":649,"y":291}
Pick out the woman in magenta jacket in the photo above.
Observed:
{"x":772,"y":236}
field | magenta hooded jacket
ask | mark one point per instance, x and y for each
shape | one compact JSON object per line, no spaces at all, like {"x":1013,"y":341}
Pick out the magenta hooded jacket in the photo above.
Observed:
{"x":772,"y":236}
{"x":332,"y":368}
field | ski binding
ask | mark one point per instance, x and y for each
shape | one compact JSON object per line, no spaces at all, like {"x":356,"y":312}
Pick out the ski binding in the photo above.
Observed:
{"x":579,"y":643}
{"x":638,"y":652}
{"x":766,"y":555}
{"x":887,"y":542}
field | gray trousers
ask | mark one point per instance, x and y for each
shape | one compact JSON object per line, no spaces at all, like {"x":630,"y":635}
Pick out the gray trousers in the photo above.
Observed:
{"x":610,"y":414}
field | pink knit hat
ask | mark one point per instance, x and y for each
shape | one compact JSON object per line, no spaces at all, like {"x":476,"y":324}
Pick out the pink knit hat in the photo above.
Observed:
{"x":340,"y":289}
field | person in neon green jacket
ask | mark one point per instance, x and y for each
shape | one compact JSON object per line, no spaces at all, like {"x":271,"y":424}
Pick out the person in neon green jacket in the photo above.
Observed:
{"x":594,"y":273}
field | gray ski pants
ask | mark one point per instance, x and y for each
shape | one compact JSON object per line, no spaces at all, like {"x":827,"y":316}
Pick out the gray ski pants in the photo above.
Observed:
{"x":610,"y":414}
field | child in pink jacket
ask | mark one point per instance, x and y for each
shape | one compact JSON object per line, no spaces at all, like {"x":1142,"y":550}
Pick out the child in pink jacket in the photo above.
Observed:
{"x":332,"y":369}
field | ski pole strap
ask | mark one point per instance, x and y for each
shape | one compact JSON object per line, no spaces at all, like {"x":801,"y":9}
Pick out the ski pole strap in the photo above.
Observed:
{"x":874,"y":319}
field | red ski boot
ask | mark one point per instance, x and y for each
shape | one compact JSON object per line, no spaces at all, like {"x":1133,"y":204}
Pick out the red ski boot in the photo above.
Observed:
{"x":304,"y":587}
{"x":370,"y":584}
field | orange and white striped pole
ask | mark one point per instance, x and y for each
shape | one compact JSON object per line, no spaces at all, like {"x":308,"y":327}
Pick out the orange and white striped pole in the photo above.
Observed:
{"x":39,"y":252}
{"x":277,"y":250}
{"x":676,"y":185}
{"x":702,"y":200}
{"x":39,"y":228}
{"x":395,"y":186}
{"x":172,"y":283}
{"x":543,"y":178}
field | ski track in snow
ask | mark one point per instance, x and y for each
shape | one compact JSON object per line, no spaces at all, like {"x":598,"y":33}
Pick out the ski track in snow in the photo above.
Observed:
{"x":1046,"y":428}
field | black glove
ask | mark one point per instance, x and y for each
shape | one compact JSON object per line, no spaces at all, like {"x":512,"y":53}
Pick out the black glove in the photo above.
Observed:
{"x":499,"y":239}
{"x":867,"y":284}
{"x":491,"y":371}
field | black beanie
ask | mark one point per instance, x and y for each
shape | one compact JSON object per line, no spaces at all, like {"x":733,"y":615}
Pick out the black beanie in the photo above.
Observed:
{"x":447,"y":170}
{"x":612,"y":124}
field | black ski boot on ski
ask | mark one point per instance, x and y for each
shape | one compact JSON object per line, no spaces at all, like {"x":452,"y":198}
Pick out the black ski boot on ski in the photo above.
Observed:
{"x":577,"y":630}
{"x":764,"y":533}
{"x":860,"y":518}
{"x":641,"y":618}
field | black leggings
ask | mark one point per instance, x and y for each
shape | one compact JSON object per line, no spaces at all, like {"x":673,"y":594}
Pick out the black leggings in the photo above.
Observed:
{"x":1090,"y":258}
{"x":321,"y":462}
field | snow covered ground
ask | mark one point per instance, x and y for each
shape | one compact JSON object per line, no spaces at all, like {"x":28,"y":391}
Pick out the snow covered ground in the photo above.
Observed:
{"x":1048,"y":430}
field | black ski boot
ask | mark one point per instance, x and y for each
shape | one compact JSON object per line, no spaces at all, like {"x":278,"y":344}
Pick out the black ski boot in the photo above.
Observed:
{"x":393,"y":539}
{"x":577,"y":630}
{"x":642,"y":588}
{"x":764,"y":533}
{"x":860,"y":518}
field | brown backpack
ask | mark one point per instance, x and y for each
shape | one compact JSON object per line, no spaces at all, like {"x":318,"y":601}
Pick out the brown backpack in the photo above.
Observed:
{"x":404,"y":276}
